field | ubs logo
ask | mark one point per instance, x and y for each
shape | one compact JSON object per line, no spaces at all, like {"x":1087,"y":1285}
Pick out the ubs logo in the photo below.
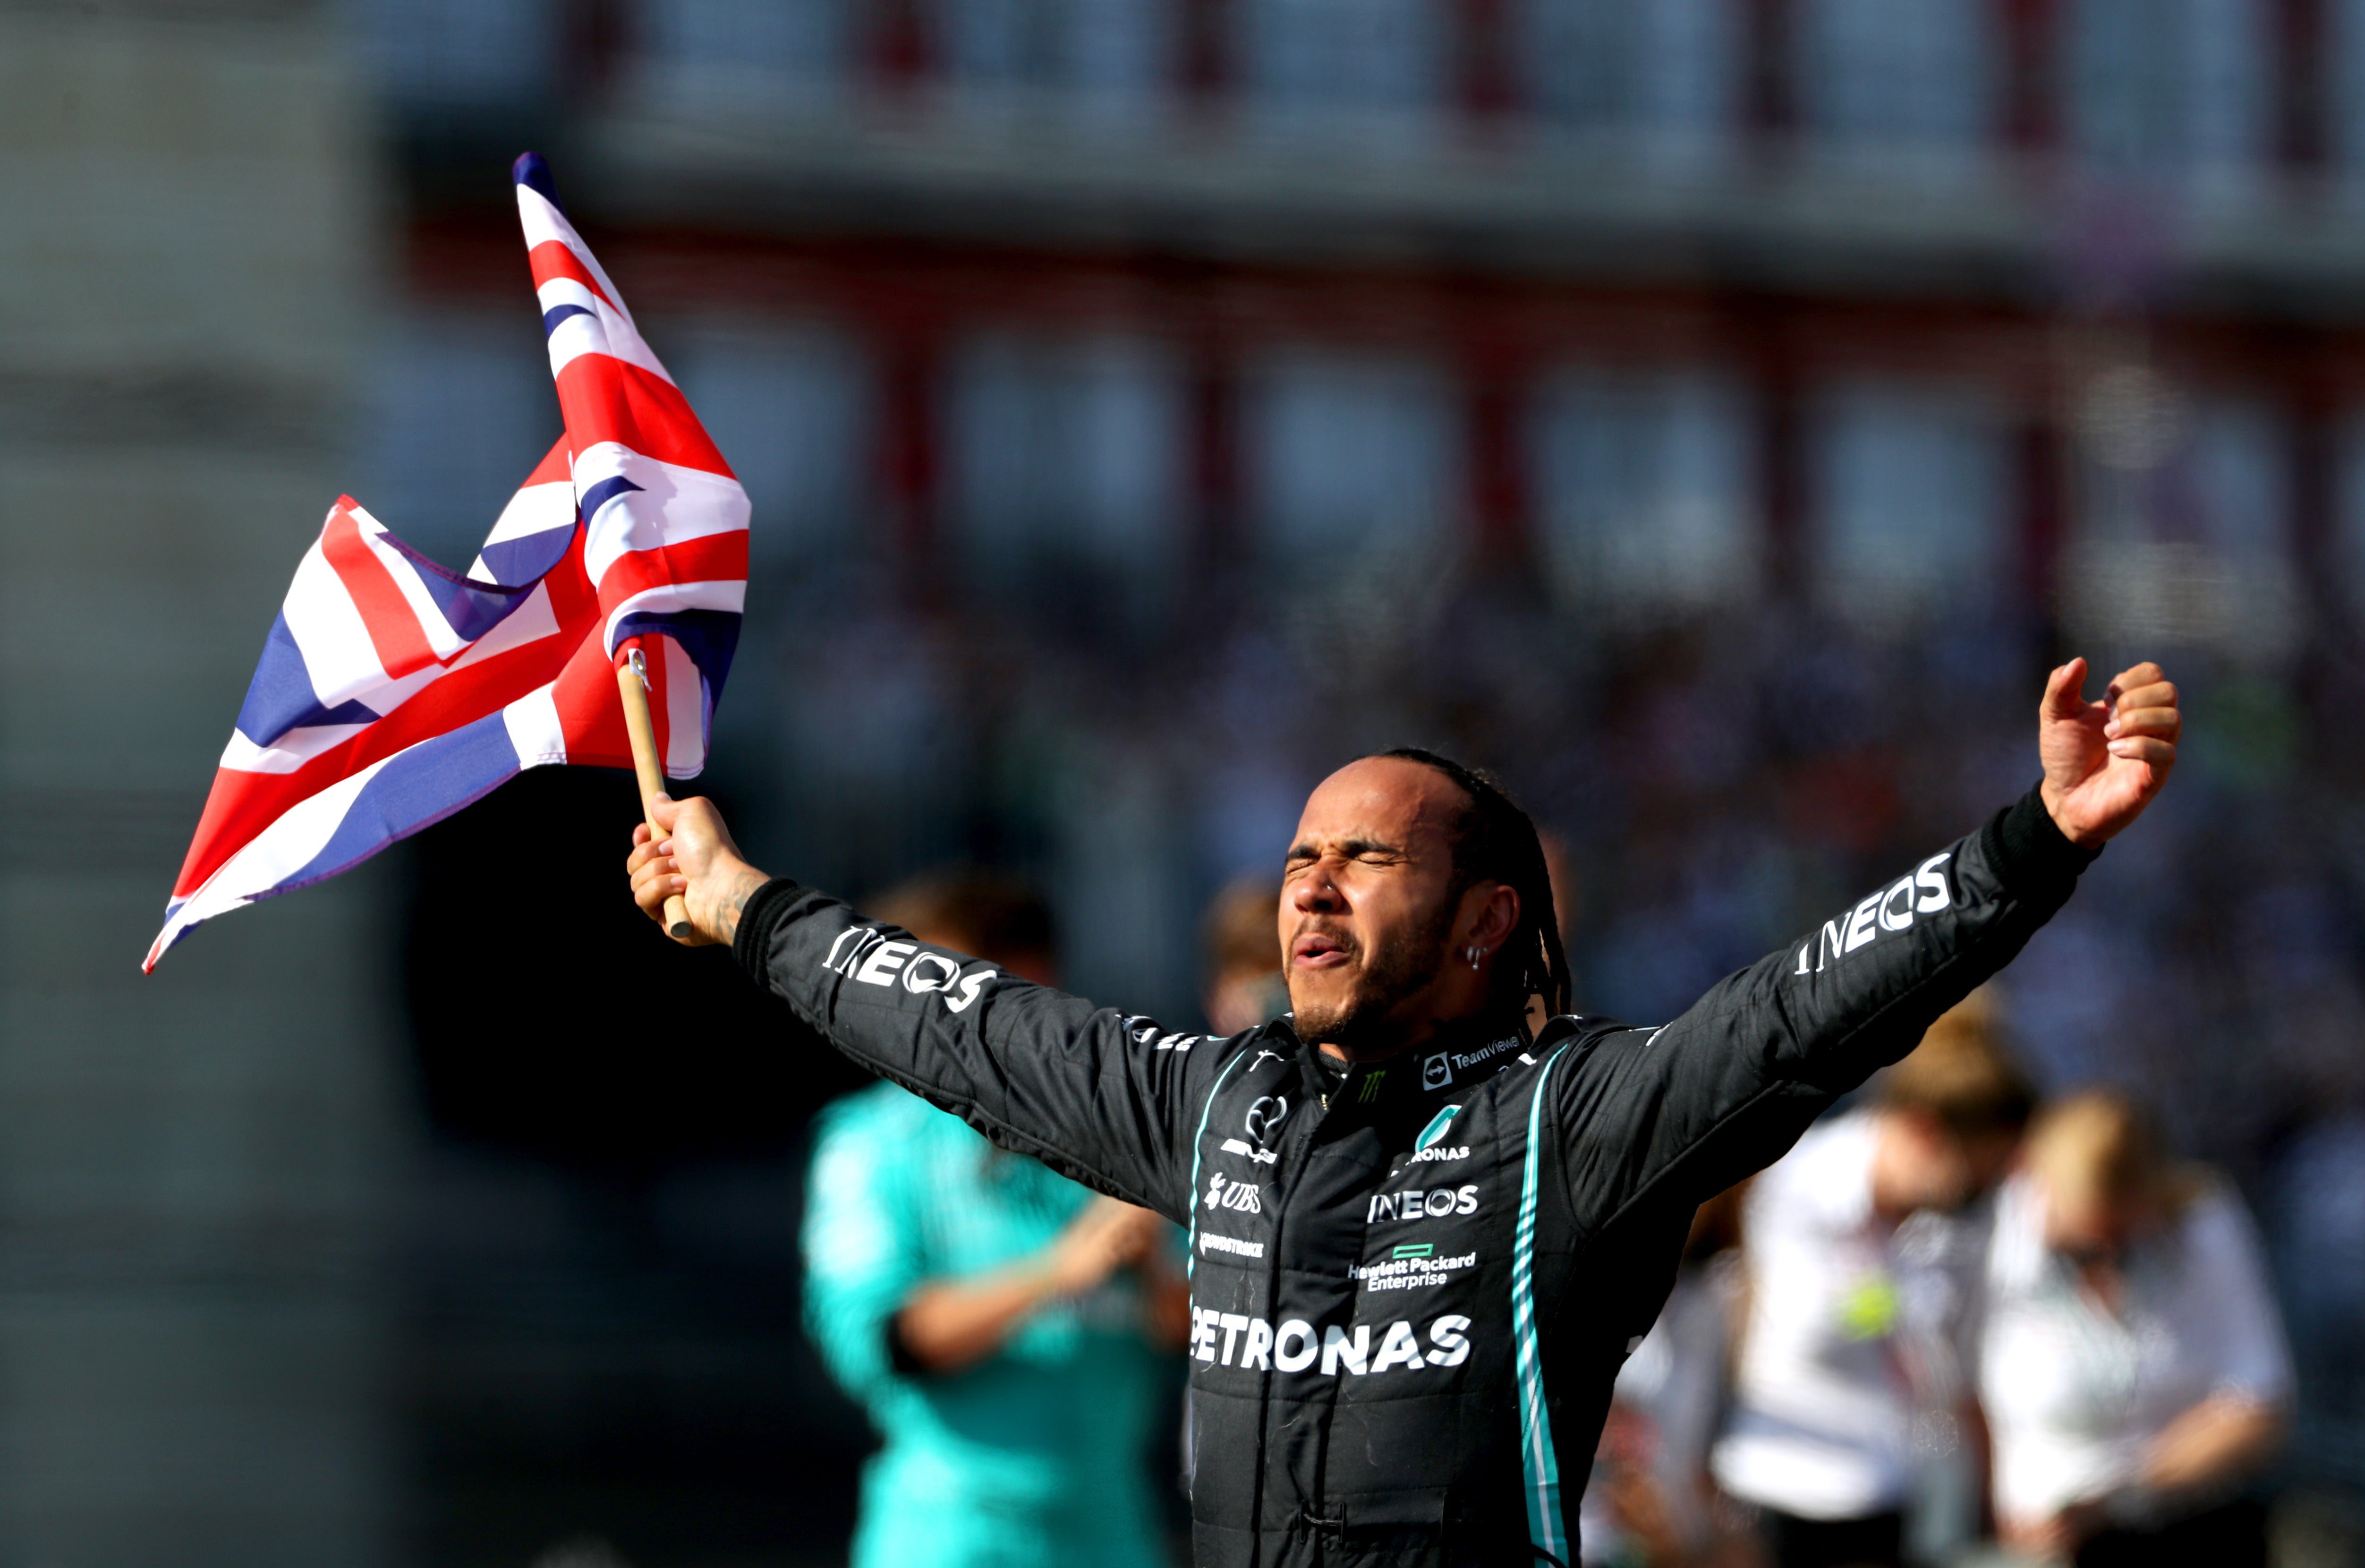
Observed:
{"x":1225,"y":1194}
{"x":1437,"y":1072}
{"x":1264,"y":1118}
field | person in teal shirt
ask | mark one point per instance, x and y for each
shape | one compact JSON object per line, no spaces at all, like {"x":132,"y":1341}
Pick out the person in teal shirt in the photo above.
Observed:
{"x":1010,"y":1334}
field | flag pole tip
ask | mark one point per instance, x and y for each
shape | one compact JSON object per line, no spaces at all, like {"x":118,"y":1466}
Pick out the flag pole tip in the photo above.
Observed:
{"x":533,"y":170}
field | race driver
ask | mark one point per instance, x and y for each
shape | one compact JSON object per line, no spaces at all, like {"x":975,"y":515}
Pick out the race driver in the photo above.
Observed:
{"x":1424,"y":1235}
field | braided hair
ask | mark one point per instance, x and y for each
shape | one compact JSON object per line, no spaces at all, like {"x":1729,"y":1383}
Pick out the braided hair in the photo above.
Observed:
{"x":1494,"y":841}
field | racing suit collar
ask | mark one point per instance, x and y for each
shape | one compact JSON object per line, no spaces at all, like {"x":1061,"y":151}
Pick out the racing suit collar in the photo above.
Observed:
{"x":1412,"y":1084}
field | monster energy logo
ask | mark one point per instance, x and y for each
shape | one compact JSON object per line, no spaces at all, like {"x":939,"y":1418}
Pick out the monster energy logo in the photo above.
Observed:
{"x":1372,"y":1087}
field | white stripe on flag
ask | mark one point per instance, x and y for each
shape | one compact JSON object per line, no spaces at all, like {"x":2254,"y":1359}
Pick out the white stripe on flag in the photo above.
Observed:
{"x":289,"y":751}
{"x":685,"y":713}
{"x":270,"y":856}
{"x":534,"y":729}
{"x":731,"y":595}
{"x":603,"y":330}
{"x":330,"y":633}
{"x":671,"y":504}
{"x":535,"y":509}
{"x":542,"y":221}
{"x":438,"y":632}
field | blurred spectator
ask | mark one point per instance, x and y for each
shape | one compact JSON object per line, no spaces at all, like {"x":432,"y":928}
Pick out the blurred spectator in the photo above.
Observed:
{"x":1243,"y":946}
{"x":1861,"y":1272}
{"x":2133,"y":1364}
{"x":1007,"y":1330}
{"x":1651,"y":1503}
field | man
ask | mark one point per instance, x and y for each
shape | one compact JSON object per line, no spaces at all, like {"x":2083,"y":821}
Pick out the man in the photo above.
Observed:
{"x":1861,"y":1278}
{"x":997,"y":1320}
{"x":1423,"y":1238}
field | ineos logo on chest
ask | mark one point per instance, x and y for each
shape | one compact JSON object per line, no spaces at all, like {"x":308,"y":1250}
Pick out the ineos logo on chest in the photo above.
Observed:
{"x":1416,"y":1203}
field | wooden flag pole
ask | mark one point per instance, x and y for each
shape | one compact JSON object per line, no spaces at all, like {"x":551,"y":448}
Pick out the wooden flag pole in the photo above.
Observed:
{"x":632,"y":685}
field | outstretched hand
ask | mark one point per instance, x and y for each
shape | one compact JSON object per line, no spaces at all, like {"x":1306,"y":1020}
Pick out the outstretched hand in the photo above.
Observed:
{"x":2104,"y":761}
{"x":696,"y":859}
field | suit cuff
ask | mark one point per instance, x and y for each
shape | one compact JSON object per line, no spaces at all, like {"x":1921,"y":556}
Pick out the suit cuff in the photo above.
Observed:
{"x":2028,"y":851}
{"x":763,"y":911}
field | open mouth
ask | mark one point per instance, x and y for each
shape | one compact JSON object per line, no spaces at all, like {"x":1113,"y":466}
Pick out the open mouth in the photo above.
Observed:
{"x":1318,"y":950}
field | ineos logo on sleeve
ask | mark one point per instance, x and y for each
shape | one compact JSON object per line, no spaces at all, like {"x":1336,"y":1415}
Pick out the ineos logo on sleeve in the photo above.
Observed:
{"x":1264,"y":1118}
{"x":1924,"y":891}
{"x":867,"y":957}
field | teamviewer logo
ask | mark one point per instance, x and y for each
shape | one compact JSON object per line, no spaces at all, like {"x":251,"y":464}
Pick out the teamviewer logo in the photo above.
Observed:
{"x":1437,"y":1072}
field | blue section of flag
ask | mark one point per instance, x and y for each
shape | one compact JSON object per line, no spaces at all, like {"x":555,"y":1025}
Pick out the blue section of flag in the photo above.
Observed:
{"x":709,"y":636}
{"x":416,"y":788}
{"x":281,"y":698}
{"x":534,"y":172}
{"x":557,"y":313}
{"x":471,"y":608}
{"x":601,"y":494}
{"x":527,"y":557}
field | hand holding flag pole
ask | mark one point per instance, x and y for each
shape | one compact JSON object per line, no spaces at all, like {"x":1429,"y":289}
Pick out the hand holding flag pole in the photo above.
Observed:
{"x":632,"y":683}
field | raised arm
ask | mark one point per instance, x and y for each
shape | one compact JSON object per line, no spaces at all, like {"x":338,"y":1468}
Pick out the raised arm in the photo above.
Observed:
{"x":1675,"y":1113}
{"x":1096,"y":1095}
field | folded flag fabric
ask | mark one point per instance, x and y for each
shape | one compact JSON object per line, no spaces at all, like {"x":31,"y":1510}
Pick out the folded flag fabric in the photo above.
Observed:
{"x":392,"y":691}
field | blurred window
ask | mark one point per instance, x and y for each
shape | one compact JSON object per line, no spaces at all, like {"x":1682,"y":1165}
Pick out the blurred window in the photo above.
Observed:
{"x":1354,"y":65}
{"x":1645,"y":489}
{"x":2344,"y":97}
{"x":1912,"y":487}
{"x":458,"y":53}
{"x":1092,"y":56}
{"x":2157,"y":87}
{"x":701,"y":54}
{"x":1359,"y":454}
{"x":2350,"y":545}
{"x":1892,"y":74}
{"x":1068,"y":458}
{"x":791,"y":412}
{"x":2184,"y":529}
{"x":461,"y":409}
{"x":1667,"y":74}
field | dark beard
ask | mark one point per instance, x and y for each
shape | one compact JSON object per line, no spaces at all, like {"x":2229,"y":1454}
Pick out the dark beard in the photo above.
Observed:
{"x":1363,"y":1028}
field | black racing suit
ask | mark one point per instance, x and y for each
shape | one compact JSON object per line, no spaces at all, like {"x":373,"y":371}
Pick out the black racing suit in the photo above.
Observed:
{"x":1413,"y":1284}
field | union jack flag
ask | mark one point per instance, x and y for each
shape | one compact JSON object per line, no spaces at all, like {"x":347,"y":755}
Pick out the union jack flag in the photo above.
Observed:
{"x":392,"y":693}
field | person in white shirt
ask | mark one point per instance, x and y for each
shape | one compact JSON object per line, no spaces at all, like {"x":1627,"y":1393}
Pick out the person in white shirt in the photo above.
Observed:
{"x":1650,"y":1503}
{"x":2133,"y":1364}
{"x":1853,"y":1366}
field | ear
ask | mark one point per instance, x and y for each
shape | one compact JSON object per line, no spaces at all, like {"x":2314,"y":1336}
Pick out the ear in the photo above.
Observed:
{"x":1489,"y":913}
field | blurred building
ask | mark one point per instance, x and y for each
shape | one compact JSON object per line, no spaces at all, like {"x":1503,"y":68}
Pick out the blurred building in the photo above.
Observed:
{"x":193,"y":1166}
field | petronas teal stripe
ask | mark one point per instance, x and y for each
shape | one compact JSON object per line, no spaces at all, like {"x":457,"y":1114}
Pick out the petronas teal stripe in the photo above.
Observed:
{"x":1546,"y":1529}
{"x":1198,"y":1140}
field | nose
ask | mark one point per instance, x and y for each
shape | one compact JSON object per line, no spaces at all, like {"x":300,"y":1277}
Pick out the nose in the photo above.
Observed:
{"x":1315,"y":893}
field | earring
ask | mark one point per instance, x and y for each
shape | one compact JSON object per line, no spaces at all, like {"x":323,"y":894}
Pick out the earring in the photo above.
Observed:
{"x":1474,"y":955}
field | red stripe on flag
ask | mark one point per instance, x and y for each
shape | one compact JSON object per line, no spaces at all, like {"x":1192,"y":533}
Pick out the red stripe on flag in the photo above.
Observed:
{"x":553,"y":469}
{"x":553,"y":259}
{"x":242,"y":804}
{"x":605,"y":399}
{"x":590,"y":713}
{"x":393,"y":625}
{"x":712,"y":558}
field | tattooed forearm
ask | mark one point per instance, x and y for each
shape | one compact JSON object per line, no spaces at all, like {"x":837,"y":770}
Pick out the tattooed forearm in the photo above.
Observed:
{"x":725,"y":896}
